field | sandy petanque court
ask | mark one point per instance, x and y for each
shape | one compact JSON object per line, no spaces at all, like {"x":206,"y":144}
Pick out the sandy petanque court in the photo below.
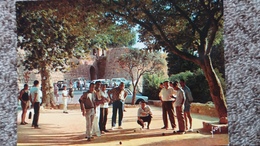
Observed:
{"x":62,"y":129}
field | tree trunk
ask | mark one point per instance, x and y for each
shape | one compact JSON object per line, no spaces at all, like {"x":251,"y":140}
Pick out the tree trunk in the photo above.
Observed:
{"x":47,"y":88}
{"x":216,"y":90}
{"x":134,"y":94}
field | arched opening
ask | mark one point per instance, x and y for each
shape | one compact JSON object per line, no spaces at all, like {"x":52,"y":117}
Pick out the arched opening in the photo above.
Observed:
{"x":94,"y":52}
{"x":92,"y":73}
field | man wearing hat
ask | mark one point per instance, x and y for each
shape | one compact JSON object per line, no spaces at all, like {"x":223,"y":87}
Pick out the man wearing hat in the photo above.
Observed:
{"x":144,"y":114}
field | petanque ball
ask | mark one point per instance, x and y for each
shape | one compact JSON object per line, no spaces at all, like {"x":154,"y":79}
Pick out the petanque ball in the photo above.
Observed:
{"x":120,"y":142}
{"x":198,"y":131}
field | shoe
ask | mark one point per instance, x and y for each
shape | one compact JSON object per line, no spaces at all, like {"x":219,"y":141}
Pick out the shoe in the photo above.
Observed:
{"x":190,"y":130}
{"x":113,"y":128}
{"x":124,"y":110}
{"x":119,"y":127}
{"x":25,"y":123}
{"x":22,"y":123}
{"x":106,"y":131}
{"x":103,"y":132}
{"x":148,"y":127}
{"x":181,"y":132}
{"x":164,"y":128}
{"x":37,"y":127}
{"x":65,"y":112}
{"x":88,"y":139}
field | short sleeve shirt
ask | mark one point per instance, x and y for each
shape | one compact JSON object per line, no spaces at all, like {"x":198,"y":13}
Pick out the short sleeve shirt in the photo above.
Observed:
{"x":167,"y":94}
{"x":144,"y":112}
{"x":33,"y":91}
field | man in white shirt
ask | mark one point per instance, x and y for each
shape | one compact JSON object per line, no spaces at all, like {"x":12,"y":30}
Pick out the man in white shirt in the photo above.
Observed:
{"x":144,"y":114}
{"x":88,"y":107}
{"x":35,"y":100}
{"x":179,"y":105}
{"x":103,"y":109}
{"x":167,"y":96}
{"x":65,"y":96}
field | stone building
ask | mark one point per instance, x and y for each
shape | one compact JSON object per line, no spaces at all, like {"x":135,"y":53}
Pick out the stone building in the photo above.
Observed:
{"x":101,"y":64}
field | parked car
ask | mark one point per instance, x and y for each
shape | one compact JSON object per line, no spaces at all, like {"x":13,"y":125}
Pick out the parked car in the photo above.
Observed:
{"x":117,"y":81}
{"x":60,"y":84}
{"x":129,"y":97}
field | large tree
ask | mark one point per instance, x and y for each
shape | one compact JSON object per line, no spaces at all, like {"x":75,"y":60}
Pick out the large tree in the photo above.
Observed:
{"x":139,"y":62}
{"x":175,"y":25}
{"x":52,"y":32}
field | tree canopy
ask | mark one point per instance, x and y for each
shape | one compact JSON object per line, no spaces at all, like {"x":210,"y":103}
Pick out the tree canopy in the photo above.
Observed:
{"x":50,"y":33}
{"x":177,"y":25}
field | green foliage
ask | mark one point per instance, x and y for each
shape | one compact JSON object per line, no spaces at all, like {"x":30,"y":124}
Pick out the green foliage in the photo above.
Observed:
{"x":176,"y":64}
{"x":181,"y":75}
{"x":45,"y":39}
{"x":197,"y":83}
{"x":139,"y":62}
{"x":52,"y":33}
{"x":151,"y":84}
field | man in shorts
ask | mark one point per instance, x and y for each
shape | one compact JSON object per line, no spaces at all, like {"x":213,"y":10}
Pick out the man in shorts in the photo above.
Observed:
{"x":187,"y":103}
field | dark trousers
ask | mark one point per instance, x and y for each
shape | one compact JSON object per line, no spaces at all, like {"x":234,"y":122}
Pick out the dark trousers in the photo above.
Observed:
{"x":117,"y":105}
{"x":145,"y":119}
{"x":180,"y":118}
{"x":167,"y":108}
{"x":103,"y":119}
{"x":36,"y":108}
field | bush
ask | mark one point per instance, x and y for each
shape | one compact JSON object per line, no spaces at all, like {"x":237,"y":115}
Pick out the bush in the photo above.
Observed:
{"x":151,"y":85}
{"x":197,"y":83}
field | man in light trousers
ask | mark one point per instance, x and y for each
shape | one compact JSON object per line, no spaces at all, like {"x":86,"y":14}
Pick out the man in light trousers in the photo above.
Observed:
{"x":87,"y":105}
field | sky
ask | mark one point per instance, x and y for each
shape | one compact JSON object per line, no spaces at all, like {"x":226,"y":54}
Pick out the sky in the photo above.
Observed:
{"x":138,"y":45}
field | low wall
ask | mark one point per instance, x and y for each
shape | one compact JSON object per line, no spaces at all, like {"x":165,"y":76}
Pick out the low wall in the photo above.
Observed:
{"x":207,"y":109}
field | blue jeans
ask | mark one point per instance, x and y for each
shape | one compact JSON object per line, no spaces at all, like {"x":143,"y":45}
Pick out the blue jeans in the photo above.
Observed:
{"x":117,"y":105}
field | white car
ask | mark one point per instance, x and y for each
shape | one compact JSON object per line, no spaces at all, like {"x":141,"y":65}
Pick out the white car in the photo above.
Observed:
{"x":116,"y":81}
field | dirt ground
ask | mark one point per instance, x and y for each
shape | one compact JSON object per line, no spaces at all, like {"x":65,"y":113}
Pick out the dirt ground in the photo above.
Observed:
{"x":58,"y":128}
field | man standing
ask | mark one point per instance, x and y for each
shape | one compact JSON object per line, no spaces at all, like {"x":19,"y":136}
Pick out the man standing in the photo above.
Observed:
{"x":65,"y":96}
{"x":87,"y":105}
{"x":167,"y":95}
{"x":35,"y":100}
{"x":98,"y":101}
{"x":179,"y":105}
{"x":144,"y":114}
{"x":103,"y":109}
{"x":118,"y":97}
{"x":187,"y":103}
